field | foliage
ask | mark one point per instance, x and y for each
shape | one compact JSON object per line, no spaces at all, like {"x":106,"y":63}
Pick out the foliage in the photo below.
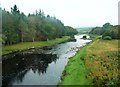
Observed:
{"x":107,"y":38}
{"x":70,"y":31}
{"x":96,"y":31}
{"x":107,"y":30}
{"x":17,"y":27}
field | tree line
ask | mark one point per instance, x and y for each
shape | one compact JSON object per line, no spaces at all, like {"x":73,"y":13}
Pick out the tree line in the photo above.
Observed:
{"x":107,"y":31}
{"x":18,"y":27}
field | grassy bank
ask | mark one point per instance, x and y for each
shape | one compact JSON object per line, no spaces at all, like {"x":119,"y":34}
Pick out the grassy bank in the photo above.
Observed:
{"x":102,"y":62}
{"x":26,"y":45}
{"x":96,"y":63}
{"x":75,"y":72}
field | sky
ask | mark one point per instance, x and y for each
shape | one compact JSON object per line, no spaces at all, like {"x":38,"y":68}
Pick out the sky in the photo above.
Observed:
{"x":75,"y":13}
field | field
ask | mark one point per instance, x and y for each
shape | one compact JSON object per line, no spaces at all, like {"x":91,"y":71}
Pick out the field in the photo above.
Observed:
{"x":27,"y":45}
{"x":102,"y":62}
{"x":94,"y":64}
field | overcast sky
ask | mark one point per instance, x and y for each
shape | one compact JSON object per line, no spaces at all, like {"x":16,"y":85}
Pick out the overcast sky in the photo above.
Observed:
{"x":75,"y":13}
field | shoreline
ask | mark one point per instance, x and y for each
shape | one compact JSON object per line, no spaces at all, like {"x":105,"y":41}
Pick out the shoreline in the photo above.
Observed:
{"x":80,"y":69}
{"x":70,"y":59}
{"x":36,"y":45}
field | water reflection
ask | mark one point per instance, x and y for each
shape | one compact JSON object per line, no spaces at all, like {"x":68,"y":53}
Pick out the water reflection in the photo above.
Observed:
{"x":40,"y":66}
{"x":14,"y":69}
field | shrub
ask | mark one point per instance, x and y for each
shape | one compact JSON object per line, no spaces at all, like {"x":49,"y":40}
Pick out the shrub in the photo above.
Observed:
{"x":107,"y":38}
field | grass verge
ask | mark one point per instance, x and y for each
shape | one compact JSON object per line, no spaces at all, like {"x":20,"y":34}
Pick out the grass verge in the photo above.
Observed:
{"x":75,"y":73}
{"x":95,"y":64}
{"x":27,"y":45}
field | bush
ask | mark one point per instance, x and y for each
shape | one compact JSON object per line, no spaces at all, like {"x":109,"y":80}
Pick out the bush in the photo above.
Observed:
{"x":107,"y":38}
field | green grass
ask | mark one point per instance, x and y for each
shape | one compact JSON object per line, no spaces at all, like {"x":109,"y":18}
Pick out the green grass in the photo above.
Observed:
{"x":27,"y":45}
{"x":95,"y":37}
{"x":75,"y":72}
{"x":96,"y":63}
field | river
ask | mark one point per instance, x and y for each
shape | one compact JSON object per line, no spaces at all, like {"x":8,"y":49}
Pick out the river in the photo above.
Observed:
{"x":41,"y":68}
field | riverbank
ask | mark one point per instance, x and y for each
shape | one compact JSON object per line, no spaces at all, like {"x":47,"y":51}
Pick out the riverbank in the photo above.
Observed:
{"x":27,"y":45}
{"x":75,"y":72}
{"x":40,"y":64}
{"x":96,"y":63}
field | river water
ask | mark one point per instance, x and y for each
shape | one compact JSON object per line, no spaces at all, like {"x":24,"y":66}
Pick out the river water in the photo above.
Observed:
{"x":41,"y":68}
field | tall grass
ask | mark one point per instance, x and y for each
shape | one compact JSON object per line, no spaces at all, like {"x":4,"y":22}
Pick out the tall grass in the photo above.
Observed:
{"x":102,"y":62}
{"x":95,"y":64}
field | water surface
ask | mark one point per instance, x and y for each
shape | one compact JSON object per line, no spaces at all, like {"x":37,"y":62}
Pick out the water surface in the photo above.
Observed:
{"x":40,"y":68}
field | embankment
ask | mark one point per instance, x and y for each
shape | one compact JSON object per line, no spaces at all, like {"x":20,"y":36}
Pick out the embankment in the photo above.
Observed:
{"x":94,"y":64}
{"x":28,"y":45}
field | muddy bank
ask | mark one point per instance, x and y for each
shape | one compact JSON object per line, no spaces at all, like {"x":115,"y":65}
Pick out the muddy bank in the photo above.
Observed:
{"x":32,"y":50}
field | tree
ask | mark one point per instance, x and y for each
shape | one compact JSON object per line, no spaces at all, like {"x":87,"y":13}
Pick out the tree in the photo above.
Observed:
{"x":22,"y":26}
{"x":107,"y":30}
{"x":9,"y":28}
{"x":70,"y":31}
{"x":17,"y":27}
{"x":16,"y":18}
{"x":32,"y":27}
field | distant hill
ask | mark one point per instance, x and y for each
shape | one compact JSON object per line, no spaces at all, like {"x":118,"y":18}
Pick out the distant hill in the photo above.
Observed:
{"x":83,"y":30}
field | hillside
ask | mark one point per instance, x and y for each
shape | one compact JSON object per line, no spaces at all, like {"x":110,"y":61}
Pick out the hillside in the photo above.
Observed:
{"x":83,"y":30}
